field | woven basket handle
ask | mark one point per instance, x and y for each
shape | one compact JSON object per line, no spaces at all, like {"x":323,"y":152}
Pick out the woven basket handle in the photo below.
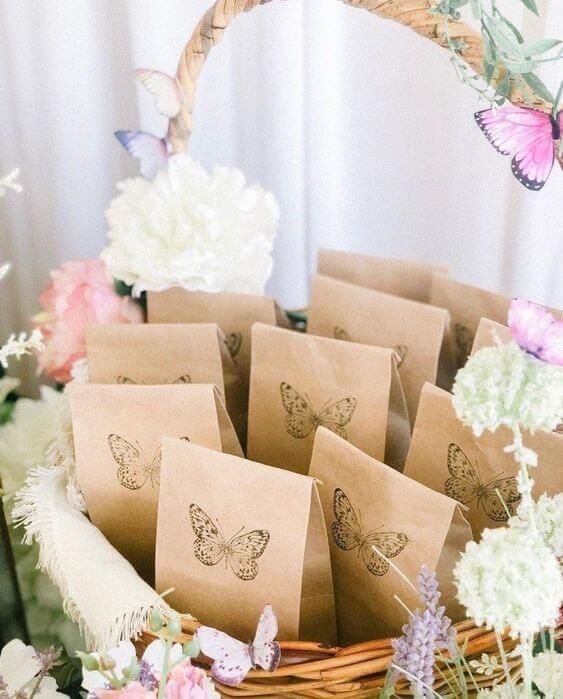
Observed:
{"x":209,"y":32}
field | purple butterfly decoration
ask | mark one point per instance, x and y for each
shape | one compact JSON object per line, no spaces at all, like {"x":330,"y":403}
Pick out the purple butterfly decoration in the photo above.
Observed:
{"x":536,"y":331}
{"x":531,"y":137}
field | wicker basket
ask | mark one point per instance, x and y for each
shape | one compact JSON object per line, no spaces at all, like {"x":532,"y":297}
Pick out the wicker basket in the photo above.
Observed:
{"x":310,"y":669}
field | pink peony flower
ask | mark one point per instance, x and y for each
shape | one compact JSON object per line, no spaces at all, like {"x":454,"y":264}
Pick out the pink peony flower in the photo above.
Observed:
{"x":186,"y":681}
{"x":134,"y":690}
{"x":80,"y":293}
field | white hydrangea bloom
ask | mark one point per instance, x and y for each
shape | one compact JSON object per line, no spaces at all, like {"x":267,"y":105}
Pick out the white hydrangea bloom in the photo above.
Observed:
{"x":547,"y":515}
{"x":548,"y":674}
{"x":510,"y":580}
{"x":190,"y":228}
{"x":503,"y":385}
{"x":504,"y":691}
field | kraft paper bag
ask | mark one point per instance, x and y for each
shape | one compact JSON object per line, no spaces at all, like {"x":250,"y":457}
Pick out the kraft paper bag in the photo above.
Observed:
{"x":488,"y":332}
{"x":411,"y":280}
{"x":117,"y":433}
{"x":164,"y":354}
{"x":414,"y":330}
{"x":368,"y":504}
{"x":234,"y":535}
{"x":299,"y":382}
{"x":447,"y":457}
{"x":467,"y":305}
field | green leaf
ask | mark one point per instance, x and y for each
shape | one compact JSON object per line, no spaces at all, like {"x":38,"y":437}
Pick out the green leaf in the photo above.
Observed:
{"x":514,"y":30}
{"x":531,"y":5}
{"x":489,"y":71}
{"x":6,"y":410}
{"x":475,"y":8}
{"x":539,"y":87}
{"x":503,"y":88}
{"x":520,"y":67}
{"x":535,"y":48}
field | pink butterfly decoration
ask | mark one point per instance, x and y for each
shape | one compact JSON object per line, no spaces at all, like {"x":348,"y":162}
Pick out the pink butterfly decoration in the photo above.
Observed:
{"x":232,"y":659}
{"x":536,"y":331}
{"x":531,"y":137}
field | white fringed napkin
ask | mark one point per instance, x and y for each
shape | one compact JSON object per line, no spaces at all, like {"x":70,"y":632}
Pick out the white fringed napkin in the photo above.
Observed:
{"x":101,"y":591}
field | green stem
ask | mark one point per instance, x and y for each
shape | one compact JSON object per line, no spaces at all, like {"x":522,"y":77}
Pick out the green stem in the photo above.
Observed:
{"x":504,"y":660}
{"x":165,"y":669}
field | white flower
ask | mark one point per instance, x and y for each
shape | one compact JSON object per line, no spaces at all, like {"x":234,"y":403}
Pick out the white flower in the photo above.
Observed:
{"x":20,"y":345}
{"x":548,"y":674}
{"x":79,"y":371}
{"x":504,"y":691}
{"x":9,"y":182}
{"x":18,"y":665}
{"x":503,"y":385}
{"x":547,"y":515}
{"x":4,"y":269}
{"x":124,"y":655}
{"x":510,"y":580}
{"x":189,"y":228}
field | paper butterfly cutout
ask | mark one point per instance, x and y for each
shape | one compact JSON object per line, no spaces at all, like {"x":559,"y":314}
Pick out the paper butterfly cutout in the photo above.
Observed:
{"x":347,"y":534}
{"x":164,"y":89}
{"x":536,"y":331}
{"x":531,"y":137}
{"x":399,"y":350}
{"x":464,"y":340}
{"x":465,"y":486}
{"x":301,"y":419}
{"x":134,"y":468}
{"x":150,"y":150}
{"x":240,"y":551}
{"x":233,"y":659}
{"x":233,"y":341}
{"x":185,"y":378}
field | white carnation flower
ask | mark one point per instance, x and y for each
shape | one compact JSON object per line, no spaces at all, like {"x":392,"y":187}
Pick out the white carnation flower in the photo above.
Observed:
{"x":547,"y":515}
{"x":548,"y":674}
{"x":511,"y":581}
{"x":190,"y":228}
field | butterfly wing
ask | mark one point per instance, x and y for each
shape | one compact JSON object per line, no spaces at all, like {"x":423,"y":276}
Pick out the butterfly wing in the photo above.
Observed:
{"x":529,"y":325}
{"x":163,"y":89}
{"x":341,"y":334}
{"x":243,"y":550}
{"x":389,"y":543}
{"x":209,"y":545}
{"x":492,"y":504}
{"x":233,"y":341}
{"x":153,"y":469}
{"x":231,"y":658}
{"x":300,"y":418}
{"x":132,"y":472}
{"x":148,"y":149}
{"x":526,"y":135}
{"x":400,"y":354}
{"x":346,"y":530}
{"x":463,"y":485}
{"x":267,"y":652}
{"x":336,"y":415}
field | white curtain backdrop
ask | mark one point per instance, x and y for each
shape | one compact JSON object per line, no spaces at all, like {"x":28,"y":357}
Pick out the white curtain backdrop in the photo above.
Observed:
{"x":359,"y":127}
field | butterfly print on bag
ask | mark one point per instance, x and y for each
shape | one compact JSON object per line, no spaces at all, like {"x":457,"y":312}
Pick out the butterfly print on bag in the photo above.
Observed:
{"x":399,"y":350}
{"x":301,"y":419}
{"x":185,"y":378}
{"x":233,"y":342}
{"x":232,"y":659}
{"x":465,"y":486}
{"x":240,"y":552}
{"x":134,"y":468}
{"x":348,"y":536}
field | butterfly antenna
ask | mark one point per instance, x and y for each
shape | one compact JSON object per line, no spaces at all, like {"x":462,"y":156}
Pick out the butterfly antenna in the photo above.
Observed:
{"x":395,"y":567}
{"x":494,"y":478}
{"x":499,"y":496}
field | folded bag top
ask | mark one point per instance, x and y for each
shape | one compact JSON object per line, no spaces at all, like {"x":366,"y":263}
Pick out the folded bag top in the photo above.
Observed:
{"x":368,"y":504}
{"x":410,"y":280}
{"x":117,"y":434}
{"x":415,"y":331}
{"x":235,"y":535}
{"x":299,"y":382}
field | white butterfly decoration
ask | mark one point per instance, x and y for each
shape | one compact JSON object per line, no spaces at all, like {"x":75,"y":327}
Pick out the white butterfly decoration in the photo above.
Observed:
{"x":151,"y":151}
{"x":232,"y":659}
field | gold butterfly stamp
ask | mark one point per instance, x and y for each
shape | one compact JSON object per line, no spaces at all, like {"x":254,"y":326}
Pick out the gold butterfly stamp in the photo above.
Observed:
{"x":233,"y":342}
{"x":134,"y":468}
{"x":400,"y":351}
{"x":348,"y":536}
{"x":465,"y":486}
{"x":301,"y":419}
{"x":185,"y":378}
{"x":240,"y":552}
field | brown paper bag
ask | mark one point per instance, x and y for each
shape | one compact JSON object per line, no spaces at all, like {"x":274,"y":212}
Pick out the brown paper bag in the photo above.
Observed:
{"x":233,"y":313}
{"x":117,"y":432}
{"x":368,"y":504}
{"x":447,"y":457}
{"x":414,"y":330}
{"x":164,"y":354}
{"x":299,"y":382}
{"x":228,"y":547}
{"x":411,"y":280}
{"x":488,"y":332}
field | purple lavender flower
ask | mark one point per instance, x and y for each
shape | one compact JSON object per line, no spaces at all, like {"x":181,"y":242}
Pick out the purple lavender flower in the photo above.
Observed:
{"x":146,"y":676}
{"x":428,"y":589}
